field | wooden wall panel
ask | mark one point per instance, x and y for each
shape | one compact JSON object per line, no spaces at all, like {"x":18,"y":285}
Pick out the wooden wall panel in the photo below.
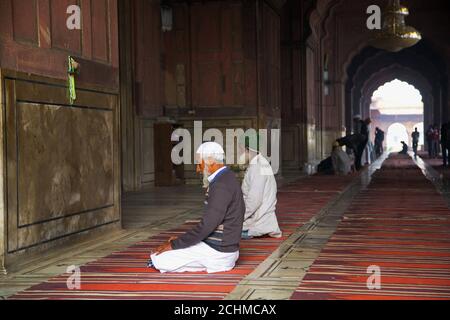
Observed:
{"x":147,"y":57}
{"x":238,"y":62}
{"x":291,"y":155}
{"x":35,"y":39}
{"x":176,"y":59}
{"x":311,"y":103}
{"x":49,"y":181}
{"x":219,"y":66}
{"x":206,"y":27}
{"x":208,"y":85}
{"x":237,"y":25}
{"x":113,"y":32}
{"x":45,"y":39}
{"x":228,"y":55}
{"x":25,"y":21}
{"x":249,"y":38}
{"x":62,"y":37}
{"x":147,"y":163}
{"x":209,"y":59}
{"x":238,"y":84}
{"x":6,"y":20}
{"x":270,"y":50}
{"x":56,"y":190}
{"x":100,"y":26}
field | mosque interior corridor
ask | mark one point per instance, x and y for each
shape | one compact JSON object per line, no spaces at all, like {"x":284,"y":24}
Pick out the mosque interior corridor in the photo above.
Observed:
{"x":395,"y":215}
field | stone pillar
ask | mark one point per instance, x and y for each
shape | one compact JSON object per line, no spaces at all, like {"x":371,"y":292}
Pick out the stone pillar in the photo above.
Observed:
{"x":2,"y":186}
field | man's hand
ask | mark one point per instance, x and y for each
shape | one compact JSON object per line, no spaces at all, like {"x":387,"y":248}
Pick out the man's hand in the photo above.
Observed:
{"x":164,"y":247}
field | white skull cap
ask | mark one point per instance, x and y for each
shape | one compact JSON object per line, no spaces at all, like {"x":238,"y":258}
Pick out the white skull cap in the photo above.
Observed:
{"x":210,"y":148}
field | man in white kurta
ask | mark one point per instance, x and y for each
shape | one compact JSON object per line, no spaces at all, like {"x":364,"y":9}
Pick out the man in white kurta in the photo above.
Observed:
{"x":260,"y":195}
{"x":213,"y":244}
{"x":342,"y":164}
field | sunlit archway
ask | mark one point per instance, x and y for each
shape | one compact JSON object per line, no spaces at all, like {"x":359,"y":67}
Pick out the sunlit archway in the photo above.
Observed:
{"x":397,"y":108}
{"x":396,"y":134}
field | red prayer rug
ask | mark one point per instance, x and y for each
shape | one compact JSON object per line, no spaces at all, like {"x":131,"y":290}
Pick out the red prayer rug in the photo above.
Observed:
{"x":399,"y":224}
{"x":124,"y":275}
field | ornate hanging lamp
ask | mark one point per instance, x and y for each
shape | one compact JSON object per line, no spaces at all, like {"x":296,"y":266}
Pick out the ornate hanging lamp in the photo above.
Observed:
{"x":395,"y":35}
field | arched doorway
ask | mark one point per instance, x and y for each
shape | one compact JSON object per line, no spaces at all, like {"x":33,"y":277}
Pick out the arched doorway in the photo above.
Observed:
{"x":396,"y":134}
{"x":420,"y":66}
{"x":397,"y":108}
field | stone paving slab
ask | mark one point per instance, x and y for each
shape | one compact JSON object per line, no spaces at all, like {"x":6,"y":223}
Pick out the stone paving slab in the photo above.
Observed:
{"x":281,"y":273}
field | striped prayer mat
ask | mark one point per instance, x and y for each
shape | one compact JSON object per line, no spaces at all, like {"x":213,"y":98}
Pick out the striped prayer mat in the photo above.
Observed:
{"x":437,"y":164}
{"x":123,"y":275}
{"x":400,"y":224}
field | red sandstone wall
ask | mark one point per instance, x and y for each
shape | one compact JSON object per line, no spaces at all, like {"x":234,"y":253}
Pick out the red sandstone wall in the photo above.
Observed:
{"x":34,"y":39}
{"x":210,"y":59}
{"x":148,"y":85}
{"x":210,"y":56}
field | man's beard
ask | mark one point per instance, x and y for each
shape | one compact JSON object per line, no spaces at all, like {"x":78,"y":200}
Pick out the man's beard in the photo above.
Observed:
{"x":206,"y":174}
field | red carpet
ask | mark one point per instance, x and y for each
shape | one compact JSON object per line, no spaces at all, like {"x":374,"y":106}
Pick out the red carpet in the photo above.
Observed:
{"x":437,"y":164}
{"x":123,"y":275}
{"x":401,"y":224}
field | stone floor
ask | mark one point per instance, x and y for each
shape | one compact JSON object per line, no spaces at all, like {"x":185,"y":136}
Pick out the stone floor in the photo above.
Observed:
{"x":148,"y":213}
{"x":280,"y":274}
{"x":154,"y":207}
{"x":145,"y":214}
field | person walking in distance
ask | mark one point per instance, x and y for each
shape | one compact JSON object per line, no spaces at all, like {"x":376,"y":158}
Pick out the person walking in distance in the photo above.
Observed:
{"x":435,"y":142}
{"x":379,"y":138}
{"x":415,"y":140}
{"x":445,"y":143}
{"x":362,"y":130}
{"x":429,"y":135}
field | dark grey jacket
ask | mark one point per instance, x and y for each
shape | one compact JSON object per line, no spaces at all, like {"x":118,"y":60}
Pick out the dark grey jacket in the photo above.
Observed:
{"x":221,"y":224}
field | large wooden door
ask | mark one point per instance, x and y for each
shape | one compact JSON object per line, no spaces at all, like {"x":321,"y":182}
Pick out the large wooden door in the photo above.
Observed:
{"x":166,"y":172}
{"x":60,"y":162}
{"x":218,"y":64}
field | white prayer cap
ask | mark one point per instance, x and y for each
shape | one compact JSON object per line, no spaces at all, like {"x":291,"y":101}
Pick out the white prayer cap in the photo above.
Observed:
{"x":211,"y":149}
{"x":357,"y":116}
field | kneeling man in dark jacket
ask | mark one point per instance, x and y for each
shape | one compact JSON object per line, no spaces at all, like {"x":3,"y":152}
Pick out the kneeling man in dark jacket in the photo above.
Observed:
{"x":212,"y":245}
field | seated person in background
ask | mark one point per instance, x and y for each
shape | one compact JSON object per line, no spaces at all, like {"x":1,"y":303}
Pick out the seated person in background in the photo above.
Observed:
{"x":404,"y":149}
{"x":342,"y":164}
{"x":213,"y":244}
{"x":260,"y":193}
{"x":325,"y":167}
{"x":351,"y":156}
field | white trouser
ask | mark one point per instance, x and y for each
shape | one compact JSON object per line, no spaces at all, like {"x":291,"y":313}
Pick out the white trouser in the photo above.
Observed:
{"x":200,"y":257}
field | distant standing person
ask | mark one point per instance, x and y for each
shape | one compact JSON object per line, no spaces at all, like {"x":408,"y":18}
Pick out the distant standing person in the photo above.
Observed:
{"x":379,"y":139}
{"x":430,"y":141}
{"x":435,"y":141}
{"x":445,"y":142}
{"x":362,"y":129}
{"x":415,"y":140}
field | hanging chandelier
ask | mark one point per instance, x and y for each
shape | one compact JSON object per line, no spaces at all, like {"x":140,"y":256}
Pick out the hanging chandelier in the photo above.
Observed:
{"x":395,"y":35}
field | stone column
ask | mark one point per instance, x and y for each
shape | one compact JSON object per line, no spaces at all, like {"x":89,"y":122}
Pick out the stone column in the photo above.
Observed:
{"x":2,"y":185}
